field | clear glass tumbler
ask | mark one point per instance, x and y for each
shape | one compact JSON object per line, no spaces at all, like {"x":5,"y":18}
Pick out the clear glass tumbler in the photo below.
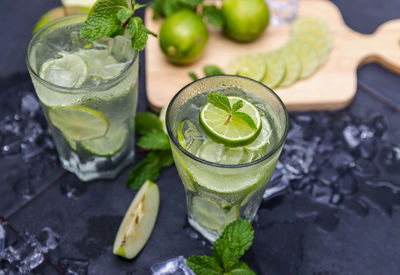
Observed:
{"x":88,"y":92}
{"x":218,"y":194}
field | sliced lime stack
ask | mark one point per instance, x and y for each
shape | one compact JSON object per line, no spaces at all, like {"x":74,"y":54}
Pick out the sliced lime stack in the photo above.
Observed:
{"x":307,"y":56}
{"x":292,"y":65}
{"x":68,"y":70}
{"x":108,"y":145}
{"x":275,"y":70}
{"x":251,"y":66}
{"x":211,"y":215}
{"x":78,"y":123}
{"x":235,"y":133}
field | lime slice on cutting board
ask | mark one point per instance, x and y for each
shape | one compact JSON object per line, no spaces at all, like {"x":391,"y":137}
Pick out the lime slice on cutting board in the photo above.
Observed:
{"x":312,"y":25}
{"x":108,"y":145}
{"x":292,"y":65}
{"x":235,"y":133}
{"x":275,"y":70}
{"x":307,"y":56}
{"x":251,"y":66}
{"x":211,"y":215}
{"x":68,"y":70}
{"x":320,"y":45}
{"x":78,"y":123}
{"x":139,"y":221}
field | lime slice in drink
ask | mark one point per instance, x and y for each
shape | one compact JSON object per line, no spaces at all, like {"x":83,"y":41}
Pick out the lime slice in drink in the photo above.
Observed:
{"x":251,"y":66}
{"x":71,"y":143}
{"x":263,"y":138}
{"x":69,"y":70}
{"x":307,"y":55}
{"x":211,"y":215}
{"x":275,"y":70}
{"x":292,"y":65}
{"x":108,"y":145}
{"x":234,"y":133}
{"x":318,"y":43}
{"x":162,"y":117}
{"x":102,"y":64}
{"x":78,"y":123}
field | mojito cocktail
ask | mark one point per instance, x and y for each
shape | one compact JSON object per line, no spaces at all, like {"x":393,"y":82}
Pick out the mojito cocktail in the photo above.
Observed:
{"x":225,"y":162}
{"x":88,"y":92}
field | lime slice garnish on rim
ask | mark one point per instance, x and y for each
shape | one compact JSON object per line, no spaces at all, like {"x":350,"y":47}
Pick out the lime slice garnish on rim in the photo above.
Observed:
{"x":275,"y":70}
{"x":69,"y":70}
{"x":307,"y":55}
{"x":237,"y":132}
{"x":78,"y":123}
{"x":251,"y":66}
{"x":108,"y":145}
{"x":292,"y":65}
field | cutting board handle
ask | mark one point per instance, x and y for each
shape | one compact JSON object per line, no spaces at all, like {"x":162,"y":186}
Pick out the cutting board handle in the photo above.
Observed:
{"x":386,"y":46}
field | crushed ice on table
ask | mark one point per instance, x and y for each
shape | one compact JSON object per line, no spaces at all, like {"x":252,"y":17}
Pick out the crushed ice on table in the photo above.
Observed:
{"x":22,"y":257}
{"x":24,"y":135}
{"x":337,"y":161}
{"x":174,"y":266}
{"x":73,"y":189}
{"x":71,"y":266}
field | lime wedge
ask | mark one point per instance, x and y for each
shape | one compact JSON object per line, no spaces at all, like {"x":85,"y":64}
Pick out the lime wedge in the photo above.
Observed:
{"x":318,"y":43}
{"x":211,"y":215}
{"x":237,"y":132}
{"x":292,"y":65}
{"x":69,"y":70}
{"x":78,"y":123}
{"x":307,"y":55}
{"x":263,"y":138}
{"x":275,"y":70}
{"x":108,"y":145}
{"x":251,"y":66}
{"x":101,"y":64}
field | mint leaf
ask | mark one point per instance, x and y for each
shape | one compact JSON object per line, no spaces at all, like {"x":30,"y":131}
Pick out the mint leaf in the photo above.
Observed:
{"x":104,"y":20}
{"x":138,"y":32}
{"x":149,"y":168}
{"x":164,"y":8}
{"x":214,"y":16}
{"x":235,"y":240}
{"x":147,"y":122}
{"x":246,"y":118}
{"x":211,"y":70}
{"x":193,"y":76}
{"x":220,"y":101}
{"x":124,"y":14}
{"x":154,"y":140}
{"x":238,"y":104}
{"x":241,"y":268}
{"x":204,"y":265}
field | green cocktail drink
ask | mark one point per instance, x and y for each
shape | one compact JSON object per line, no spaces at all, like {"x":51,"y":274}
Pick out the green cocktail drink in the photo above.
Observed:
{"x":225,"y":175}
{"x":88,"y":92}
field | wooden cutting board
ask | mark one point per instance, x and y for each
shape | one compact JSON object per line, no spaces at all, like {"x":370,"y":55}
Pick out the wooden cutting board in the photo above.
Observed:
{"x":333,"y":86}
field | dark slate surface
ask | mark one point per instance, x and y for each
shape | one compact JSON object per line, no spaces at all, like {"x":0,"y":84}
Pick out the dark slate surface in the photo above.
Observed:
{"x":315,"y":227}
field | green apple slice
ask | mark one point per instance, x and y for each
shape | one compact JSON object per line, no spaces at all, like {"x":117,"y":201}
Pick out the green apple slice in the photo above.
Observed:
{"x":139,"y":221}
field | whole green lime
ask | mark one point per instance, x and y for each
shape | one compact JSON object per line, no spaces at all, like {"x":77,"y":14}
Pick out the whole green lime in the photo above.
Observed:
{"x":183,"y":37}
{"x":245,"y":20}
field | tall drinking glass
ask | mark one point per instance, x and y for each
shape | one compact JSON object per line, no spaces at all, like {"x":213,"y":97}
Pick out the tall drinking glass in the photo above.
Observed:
{"x":88,"y":93}
{"x":224,"y":183}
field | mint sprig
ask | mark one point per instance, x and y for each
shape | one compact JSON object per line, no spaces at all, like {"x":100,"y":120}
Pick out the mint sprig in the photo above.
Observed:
{"x":222,"y":102}
{"x":209,"y":70}
{"x":236,"y":239}
{"x":109,"y":18}
{"x":154,"y":139}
